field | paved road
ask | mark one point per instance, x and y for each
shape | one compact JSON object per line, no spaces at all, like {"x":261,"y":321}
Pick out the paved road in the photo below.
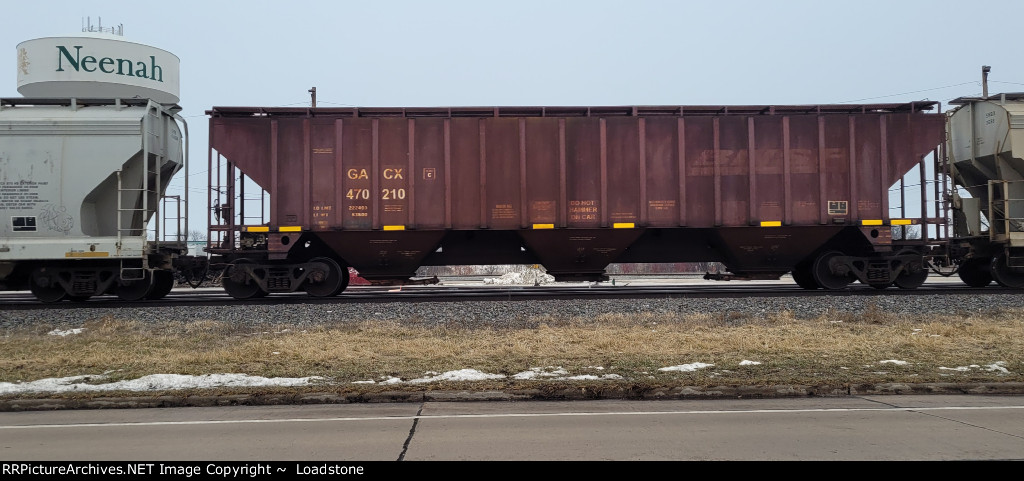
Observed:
{"x":888,"y":427}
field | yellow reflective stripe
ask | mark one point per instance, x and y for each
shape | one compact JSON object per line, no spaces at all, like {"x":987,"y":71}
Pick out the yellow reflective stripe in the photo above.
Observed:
{"x":261,"y":228}
{"x":901,"y":222}
{"x":543,"y":226}
{"x":394,"y":227}
{"x":291,"y":228}
{"x":771,"y":223}
{"x":623,"y":225}
{"x":87,"y":254}
{"x":871,"y":222}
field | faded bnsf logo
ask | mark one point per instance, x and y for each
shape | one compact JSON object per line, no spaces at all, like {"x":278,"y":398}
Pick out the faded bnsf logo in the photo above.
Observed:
{"x":118,"y":66}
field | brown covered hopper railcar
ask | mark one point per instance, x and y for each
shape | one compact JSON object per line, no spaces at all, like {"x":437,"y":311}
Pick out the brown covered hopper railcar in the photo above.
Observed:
{"x":765,"y":190}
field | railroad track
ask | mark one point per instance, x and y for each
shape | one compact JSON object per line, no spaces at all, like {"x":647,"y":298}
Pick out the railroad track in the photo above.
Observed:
{"x":465,"y":290}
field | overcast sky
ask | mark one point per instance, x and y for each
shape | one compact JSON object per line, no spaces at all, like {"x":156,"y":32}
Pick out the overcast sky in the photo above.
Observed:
{"x":529,"y":52}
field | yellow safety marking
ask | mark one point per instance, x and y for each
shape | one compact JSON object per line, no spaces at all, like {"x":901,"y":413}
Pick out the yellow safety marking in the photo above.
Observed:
{"x":543,"y":226}
{"x":262,"y":228}
{"x":771,"y":223}
{"x":394,"y":227}
{"x":871,"y":222}
{"x":87,"y":254}
{"x":623,"y":225}
{"x":291,"y":228}
{"x":901,"y":222}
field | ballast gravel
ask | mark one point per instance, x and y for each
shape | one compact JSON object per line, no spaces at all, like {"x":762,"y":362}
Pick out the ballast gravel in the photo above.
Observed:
{"x":521,"y":313}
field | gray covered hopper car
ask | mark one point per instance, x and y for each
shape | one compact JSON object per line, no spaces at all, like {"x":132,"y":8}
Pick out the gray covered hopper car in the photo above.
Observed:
{"x":765,"y":190}
{"x":80,"y":180}
{"x":986,"y":159}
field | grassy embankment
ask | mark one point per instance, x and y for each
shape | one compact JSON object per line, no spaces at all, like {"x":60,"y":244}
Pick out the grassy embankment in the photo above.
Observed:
{"x":835,"y":349}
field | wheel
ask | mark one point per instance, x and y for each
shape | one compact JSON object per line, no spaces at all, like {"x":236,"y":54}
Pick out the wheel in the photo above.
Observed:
{"x":45,"y":287}
{"x":163,"y":282}
{"x":327,"y":281}
{"x":911,"y":280}
{"x":135,"y":289}
{"x":238,"y":283}
{"x":914,"y":274}
{"x":975,"y":272}
{"x":804,"y":276}
{"x":825,"y":275}
{"x":1005,"y":275}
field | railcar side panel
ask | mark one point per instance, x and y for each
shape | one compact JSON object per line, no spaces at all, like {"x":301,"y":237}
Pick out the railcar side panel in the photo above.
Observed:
{"x":466,"y":188}
{"x":768,"y":192}
{"x":700,"y":173}
{"x":660,"y":184}
{"x":428,"y":184}
{"x":543,"y":186}
{"x":323,"y":169}
{"x":356,"y":194}
{"x":624,"y":171}
{"x":501,"y":161}
{"x":805,"y":183}
{"x":584,"y":173}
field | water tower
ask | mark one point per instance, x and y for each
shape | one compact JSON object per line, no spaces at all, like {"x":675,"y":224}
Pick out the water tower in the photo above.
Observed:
{"x":99,"y":63}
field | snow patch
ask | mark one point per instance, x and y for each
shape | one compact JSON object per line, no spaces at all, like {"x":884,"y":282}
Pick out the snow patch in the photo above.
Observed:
{"x":686,"y":367}
{"x":531,"y":277}
{"x":591,"y":377}
{"x":154,"y":382}
{"x":460,"y":375}
{"x":541,"y":372}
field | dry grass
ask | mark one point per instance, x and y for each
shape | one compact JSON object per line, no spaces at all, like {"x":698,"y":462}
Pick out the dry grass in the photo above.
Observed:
{"x":834,"y":349}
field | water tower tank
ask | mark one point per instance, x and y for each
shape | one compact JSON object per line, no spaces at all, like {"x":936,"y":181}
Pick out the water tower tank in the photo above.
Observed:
{"x":96,"y":64}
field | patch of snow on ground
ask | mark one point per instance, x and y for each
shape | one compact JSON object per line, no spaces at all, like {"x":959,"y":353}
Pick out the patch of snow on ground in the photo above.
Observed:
{"x":959,"y":368}
{"x":155,"y":382}
{"x":58,"y":332}
{"x":460,"y":375}
{"x":686,"y":367}
{"x":530,"y":278}
{"x":538,"y":372}
{"x":996,"y":366}
{"x":591,"y":377}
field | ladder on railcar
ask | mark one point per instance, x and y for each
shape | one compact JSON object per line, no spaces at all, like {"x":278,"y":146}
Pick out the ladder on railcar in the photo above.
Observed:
{"x":227,"y":214}
{"x":137,"y":206}
{"x":133,"y":273}
{"x":1006,"y":227}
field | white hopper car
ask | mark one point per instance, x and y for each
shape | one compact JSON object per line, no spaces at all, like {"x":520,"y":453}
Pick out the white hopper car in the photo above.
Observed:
{"x":82,"y":186}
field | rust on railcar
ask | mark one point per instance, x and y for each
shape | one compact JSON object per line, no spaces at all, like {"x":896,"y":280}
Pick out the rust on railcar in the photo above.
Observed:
{"x":575,"y":188}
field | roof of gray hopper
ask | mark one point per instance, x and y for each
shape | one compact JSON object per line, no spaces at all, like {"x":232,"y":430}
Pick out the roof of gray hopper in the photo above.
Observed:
{"x":990,"y":98}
